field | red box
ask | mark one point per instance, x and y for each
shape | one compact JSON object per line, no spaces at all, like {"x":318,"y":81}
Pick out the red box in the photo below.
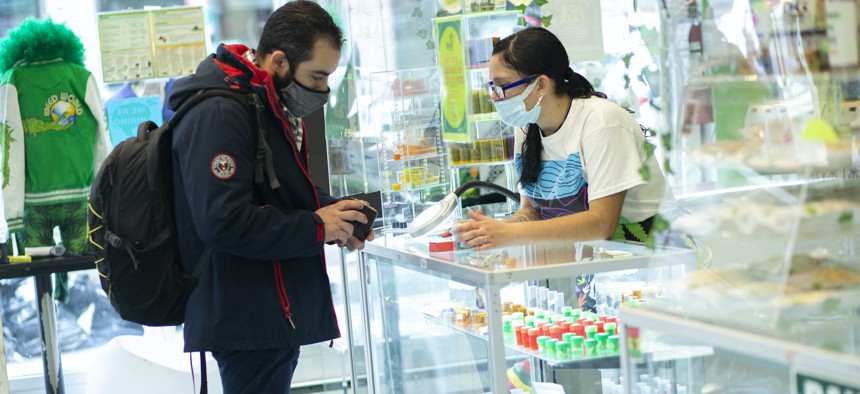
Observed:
{"x":443,"y":246}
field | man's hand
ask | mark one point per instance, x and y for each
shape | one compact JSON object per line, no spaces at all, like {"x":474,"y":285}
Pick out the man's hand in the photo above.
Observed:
{"x":355,"y":244}
{"x":336,"y":219}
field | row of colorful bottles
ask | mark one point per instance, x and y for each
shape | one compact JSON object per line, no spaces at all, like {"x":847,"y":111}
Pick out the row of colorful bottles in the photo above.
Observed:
{"x":572,"y":335}
{"x":481,"y":151}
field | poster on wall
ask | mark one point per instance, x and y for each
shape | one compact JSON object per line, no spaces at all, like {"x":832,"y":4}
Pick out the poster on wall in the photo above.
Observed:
{"x":160,"y":43}
{"x":125,"y":114}
{"x":577,"y":23}
{"x":454,"y":93}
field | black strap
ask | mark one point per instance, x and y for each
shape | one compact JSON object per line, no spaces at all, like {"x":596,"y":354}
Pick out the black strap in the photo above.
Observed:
{"x":263,"y":151}
{"x":204,"y":385}
{"x":203,"y":95}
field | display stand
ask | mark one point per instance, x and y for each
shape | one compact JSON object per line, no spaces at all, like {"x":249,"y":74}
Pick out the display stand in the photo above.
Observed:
{"x":41,"y":270}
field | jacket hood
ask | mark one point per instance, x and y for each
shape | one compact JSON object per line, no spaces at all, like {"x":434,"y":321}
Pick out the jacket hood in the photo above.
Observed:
{"x":226,"y":69}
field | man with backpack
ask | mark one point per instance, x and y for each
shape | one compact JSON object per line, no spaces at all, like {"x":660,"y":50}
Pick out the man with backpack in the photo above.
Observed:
{"x":246,"y":208}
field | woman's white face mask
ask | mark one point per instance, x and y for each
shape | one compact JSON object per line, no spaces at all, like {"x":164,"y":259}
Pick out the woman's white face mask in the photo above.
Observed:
{"x":513,"y":111}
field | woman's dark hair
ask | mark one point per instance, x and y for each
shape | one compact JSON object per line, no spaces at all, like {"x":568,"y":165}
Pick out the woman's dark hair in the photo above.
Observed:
{"x":536,"y":51}
{"x":295,"y":27}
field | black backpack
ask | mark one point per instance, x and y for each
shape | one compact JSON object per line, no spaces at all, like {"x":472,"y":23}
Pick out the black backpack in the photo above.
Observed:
{"x":131,"y":222}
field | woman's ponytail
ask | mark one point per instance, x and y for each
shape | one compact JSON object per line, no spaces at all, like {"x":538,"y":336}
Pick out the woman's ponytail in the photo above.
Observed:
{"x":532,"y":149}
{"x":578,"y":86}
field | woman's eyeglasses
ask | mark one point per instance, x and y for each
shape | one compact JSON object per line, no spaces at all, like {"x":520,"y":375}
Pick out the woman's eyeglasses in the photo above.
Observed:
{"x":499,"y":90}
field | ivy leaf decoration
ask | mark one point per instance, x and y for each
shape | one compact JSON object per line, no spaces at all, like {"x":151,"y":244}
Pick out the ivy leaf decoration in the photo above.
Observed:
{"x":645,"y":172}
{"x":521,"y":21}
{"x":626,"y":59}
{"x":430,"y":44}
{"x":417,"y":12}
{"x":666,"y":166}
{"x":521,"y":8}
{"x":541,"y":3}
{"x":422,"y":34}
{"x":441,"y":13}
{"x":545,"y":21}
{"x":649,"y":149}
{"x":666,"y":139}
{"x":846,"y":218}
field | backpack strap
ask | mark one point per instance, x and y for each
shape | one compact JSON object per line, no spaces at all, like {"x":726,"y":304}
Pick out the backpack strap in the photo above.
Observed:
{"x":264,"y":152}
{"x":204,"y":383}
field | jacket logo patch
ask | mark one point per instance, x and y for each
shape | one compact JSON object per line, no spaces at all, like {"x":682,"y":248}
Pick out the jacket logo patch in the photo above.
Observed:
{"x":61,"y":111}
{"x":223,"y":166}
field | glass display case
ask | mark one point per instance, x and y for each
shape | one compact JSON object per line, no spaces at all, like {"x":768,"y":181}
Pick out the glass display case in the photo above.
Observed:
{"x":443,"y":319}
{"x":413,"y":162}
{"x":762,"y":120}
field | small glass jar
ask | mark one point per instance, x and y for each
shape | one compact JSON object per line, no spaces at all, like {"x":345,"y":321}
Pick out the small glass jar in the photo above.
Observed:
{"x":590,"y":347}
{"x":541,"y":344}
{"x":562,"y":351}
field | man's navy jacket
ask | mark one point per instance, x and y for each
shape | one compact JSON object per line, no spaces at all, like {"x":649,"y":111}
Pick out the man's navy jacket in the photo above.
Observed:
{"x":266,"y":269}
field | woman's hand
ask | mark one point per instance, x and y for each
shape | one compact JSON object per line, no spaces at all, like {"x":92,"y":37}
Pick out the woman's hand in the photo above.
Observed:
{"x":483,"y":232}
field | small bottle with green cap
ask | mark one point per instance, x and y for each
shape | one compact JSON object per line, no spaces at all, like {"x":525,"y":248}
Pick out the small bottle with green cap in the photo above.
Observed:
{"x":507,"y":329}
{"x":590,"y":347}
{"x":566,"y":336}
{"x":610,"y":328}
{"x":539,"y":313}
{"x":530,"y":321}
{"x":602,"y":348}
{"x":612,"y":345}
{"x":562,"y":351}
{"x":567,"y":311}
{"x":551,"y":345}
{"x":541,"y":342}
{"x":590,"y":331}
{"x":576,"y":346}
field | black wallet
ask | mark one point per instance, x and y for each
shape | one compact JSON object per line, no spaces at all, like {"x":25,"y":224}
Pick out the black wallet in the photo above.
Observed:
{"x":361,"y":230}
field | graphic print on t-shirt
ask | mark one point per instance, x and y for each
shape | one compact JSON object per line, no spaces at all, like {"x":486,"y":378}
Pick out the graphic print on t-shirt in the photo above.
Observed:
{"x":560,"y":190}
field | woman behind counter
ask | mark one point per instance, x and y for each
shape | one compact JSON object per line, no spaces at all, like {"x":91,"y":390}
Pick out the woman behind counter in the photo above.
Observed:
{"x":578,"y":155}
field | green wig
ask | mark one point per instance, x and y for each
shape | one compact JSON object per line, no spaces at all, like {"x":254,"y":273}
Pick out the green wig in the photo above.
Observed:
{"x":36,"y":41}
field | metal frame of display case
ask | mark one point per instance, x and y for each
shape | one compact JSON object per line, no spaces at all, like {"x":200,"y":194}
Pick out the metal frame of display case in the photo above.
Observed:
{"x":492,"y":280}
{"x":797,"y":357}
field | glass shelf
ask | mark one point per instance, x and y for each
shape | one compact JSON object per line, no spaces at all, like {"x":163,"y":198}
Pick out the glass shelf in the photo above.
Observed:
{"x":482,"y":163}
{"x":657,"y":355}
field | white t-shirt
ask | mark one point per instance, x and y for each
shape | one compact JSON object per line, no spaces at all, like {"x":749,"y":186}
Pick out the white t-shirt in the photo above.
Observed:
{"x":597,"y":152}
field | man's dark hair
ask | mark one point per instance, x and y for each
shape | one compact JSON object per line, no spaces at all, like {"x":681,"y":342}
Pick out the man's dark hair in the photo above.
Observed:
{"x":294,"y":29}
{"x":536,"y":51}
